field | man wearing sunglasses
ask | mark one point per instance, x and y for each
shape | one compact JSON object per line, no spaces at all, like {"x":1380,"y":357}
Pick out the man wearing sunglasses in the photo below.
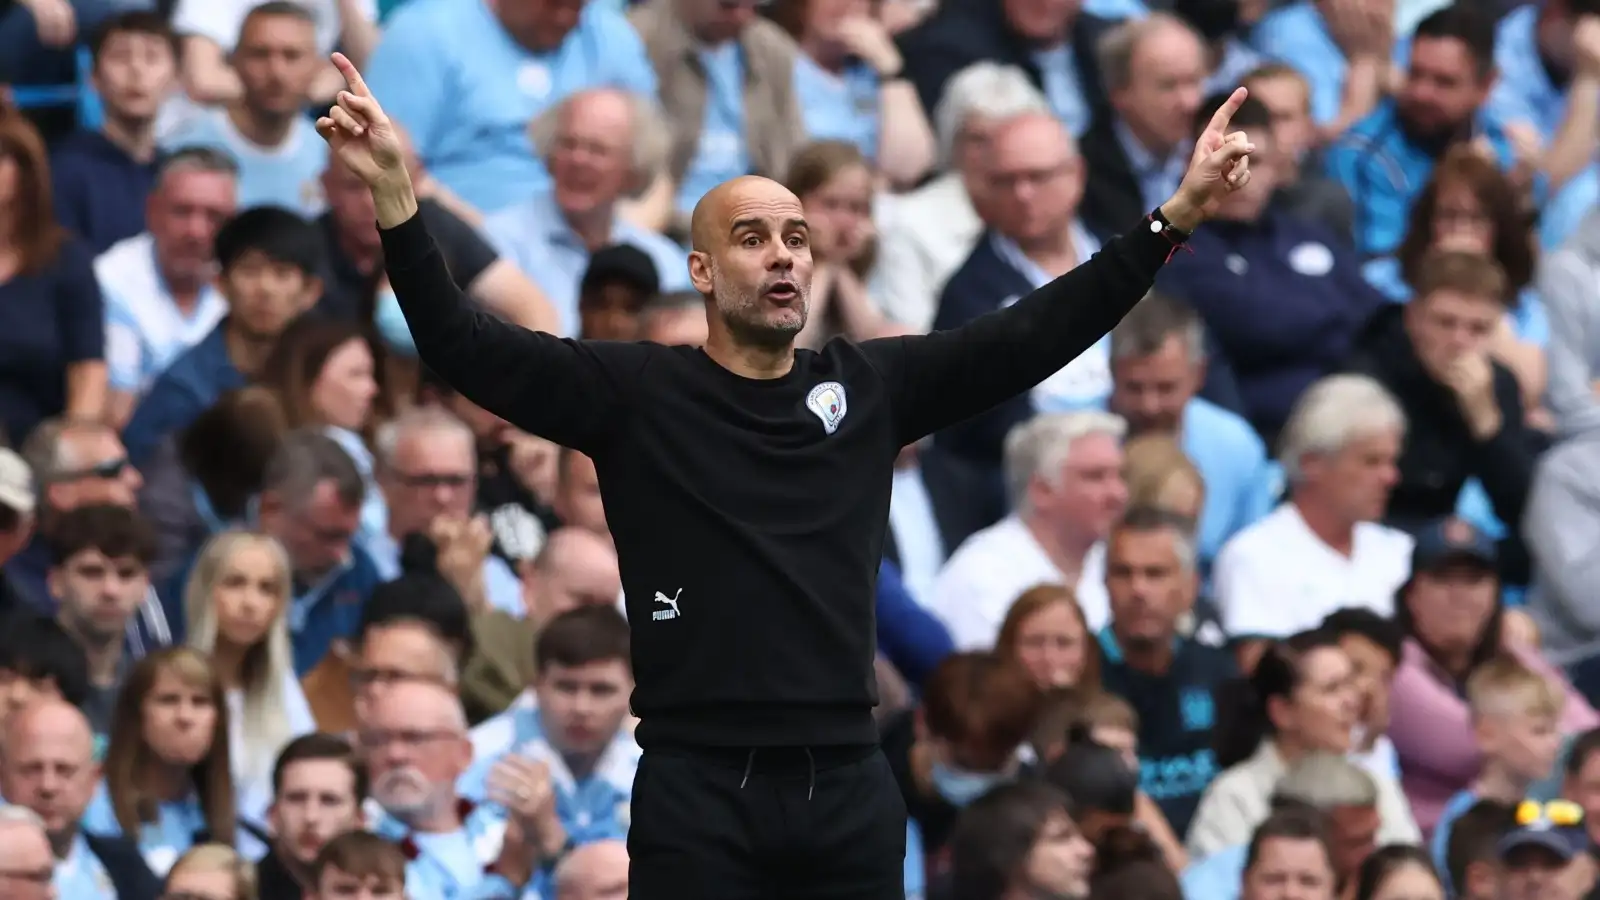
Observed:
{"x":1547,"y":856}
{"x":76,"y":465}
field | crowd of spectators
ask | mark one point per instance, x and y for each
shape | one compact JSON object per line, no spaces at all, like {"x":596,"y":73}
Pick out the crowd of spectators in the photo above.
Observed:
{"x":1284,"y":590}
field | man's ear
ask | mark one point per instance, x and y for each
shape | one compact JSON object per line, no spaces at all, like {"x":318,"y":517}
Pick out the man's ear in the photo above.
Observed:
{"x":700,"y":271}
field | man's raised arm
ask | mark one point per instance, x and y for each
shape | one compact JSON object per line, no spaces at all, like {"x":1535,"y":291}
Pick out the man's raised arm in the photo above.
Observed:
{"x":943,"y":378}
{"x":544,"y":385}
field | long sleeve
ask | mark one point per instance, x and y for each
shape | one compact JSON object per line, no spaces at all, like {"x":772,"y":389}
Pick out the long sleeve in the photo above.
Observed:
{"x":1562,"y":530}
{"x":1566,"y":287}
{"x":913,"y":638}
{"x":946,"y":377}
{"x":555,"y":388}
{"x":1504,"y":463}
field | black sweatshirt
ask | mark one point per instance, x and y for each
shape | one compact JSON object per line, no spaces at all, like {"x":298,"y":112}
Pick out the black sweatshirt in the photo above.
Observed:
{"x":749,"y":515}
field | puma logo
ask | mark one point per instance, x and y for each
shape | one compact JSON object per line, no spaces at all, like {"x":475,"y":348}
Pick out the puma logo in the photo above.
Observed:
{"x":671,"y":612}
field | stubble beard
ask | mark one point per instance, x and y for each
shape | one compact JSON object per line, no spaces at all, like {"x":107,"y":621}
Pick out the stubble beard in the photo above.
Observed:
{"x":740,"y":309}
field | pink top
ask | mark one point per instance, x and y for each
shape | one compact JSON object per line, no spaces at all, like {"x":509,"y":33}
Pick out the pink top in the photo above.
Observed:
{"x":1432,"y":729}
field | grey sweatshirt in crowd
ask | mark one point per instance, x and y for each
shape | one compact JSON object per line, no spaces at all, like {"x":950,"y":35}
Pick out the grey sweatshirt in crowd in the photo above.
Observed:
{"x":1562,"y":530}
{"x":1569,"y":287}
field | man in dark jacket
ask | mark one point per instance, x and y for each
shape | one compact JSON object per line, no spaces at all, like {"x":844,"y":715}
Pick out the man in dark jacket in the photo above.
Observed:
{"x":1463,"y":409}
{"x":1053,"y":42}
{"x":48,"y":766}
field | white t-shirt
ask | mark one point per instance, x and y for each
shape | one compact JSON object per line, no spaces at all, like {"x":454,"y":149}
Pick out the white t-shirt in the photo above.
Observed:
{"x":1277,"y":578}
{"x":992,"y":568}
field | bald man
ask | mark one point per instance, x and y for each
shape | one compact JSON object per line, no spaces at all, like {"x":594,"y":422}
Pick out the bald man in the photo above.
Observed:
{"x":746,"y":485}
{"x":47,"y":766}
{"x":597,"y":871}
{"x":575,"y":568}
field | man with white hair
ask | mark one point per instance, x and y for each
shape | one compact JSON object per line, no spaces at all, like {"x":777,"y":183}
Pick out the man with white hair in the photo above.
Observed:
{"x":414,"y":738}
{"x":1063,"y":474}
{"x":597,"y":871}
{"x":26,"y":866}
{"x":928,"y":232}
{"x":601,"y":146}
{"x":1324,"y":549}
{"x":427,"y":468}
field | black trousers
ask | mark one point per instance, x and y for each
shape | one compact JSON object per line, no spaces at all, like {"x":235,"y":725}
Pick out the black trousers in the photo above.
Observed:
{"x":790,"y":823}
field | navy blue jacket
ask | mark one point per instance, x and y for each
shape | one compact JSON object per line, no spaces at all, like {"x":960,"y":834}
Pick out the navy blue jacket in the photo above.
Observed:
{"x":1284,"y":300}
{"x":130,"y":877}
{"x":964,"y":32}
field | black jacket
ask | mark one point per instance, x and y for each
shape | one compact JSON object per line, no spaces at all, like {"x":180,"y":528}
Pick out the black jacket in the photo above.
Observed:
{"x":964,"y":32}
{"x":274,"y":882}
{"x":1440,"y":454}
{"x":125,"y":865}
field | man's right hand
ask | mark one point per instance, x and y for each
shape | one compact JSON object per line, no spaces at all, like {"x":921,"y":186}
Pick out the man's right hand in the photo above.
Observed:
{"x":359,"y":132}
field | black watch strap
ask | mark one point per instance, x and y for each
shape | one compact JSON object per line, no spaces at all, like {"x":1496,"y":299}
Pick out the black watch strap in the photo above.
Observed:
{"x":1159,"y":224}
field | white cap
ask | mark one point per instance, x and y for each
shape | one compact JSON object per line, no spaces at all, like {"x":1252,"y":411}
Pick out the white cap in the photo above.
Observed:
{"x":16,"y":482}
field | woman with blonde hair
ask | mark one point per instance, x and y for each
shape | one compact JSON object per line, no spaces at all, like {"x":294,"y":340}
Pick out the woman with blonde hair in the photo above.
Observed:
{"x":237,"y":603}
{"x":167,"y":783}
{"x":1046,"y":632}
{"x":212,"y":872}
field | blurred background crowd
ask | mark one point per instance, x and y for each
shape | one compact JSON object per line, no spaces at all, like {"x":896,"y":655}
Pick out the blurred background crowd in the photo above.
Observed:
{"x":1285,"y":590}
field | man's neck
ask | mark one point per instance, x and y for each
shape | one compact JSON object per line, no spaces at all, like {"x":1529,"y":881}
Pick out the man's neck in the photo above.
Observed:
{"x":104,"y":654}
{"x":185,"y":289}
{"x":1332,"y":529}
{"x":1158,"y":149}
{"x":61,"y":841}
{"x":581,"y":765}
{"x":749,"y":361}
{"x":264,"y":130}
{"x":364,"y":252}
{"x":1056,"y":253}
{"x":593,"y":227}
{"x":1065,"y":548}
{"x":299,"y":871}
{"x":247,"y":353}
{"x":135,"y":137}
{"x":1497,"y":782}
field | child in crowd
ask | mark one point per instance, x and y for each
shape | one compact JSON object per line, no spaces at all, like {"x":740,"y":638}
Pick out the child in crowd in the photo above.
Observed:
{"x":1515,"y":716}
{"x":1472,"y":857}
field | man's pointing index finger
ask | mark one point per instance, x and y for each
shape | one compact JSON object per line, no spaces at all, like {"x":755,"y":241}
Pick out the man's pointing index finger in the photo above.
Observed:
{"x":352,"y":78}
{"x":1224,"y":114}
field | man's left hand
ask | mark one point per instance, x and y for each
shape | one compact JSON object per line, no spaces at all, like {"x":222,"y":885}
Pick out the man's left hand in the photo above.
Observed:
{"x":1220,"y":166}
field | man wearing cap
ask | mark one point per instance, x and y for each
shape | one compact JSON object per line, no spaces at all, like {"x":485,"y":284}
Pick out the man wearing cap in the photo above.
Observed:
{"x":1548,"y":855}
{"x":620,"y":280}
{"x":16,"y":523}
{"x":600,"y":146}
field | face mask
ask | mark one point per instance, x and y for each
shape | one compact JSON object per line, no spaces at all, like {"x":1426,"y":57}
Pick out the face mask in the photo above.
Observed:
{"x":391,"y":323}
{"x":959,"y":787}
